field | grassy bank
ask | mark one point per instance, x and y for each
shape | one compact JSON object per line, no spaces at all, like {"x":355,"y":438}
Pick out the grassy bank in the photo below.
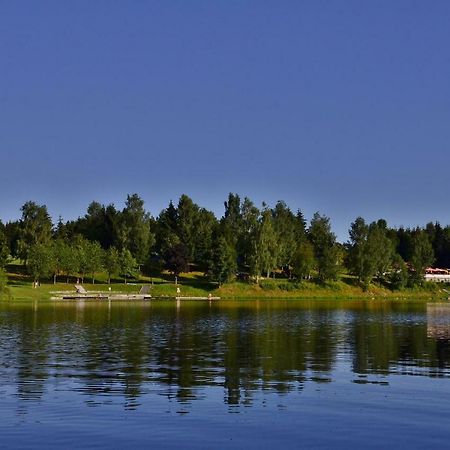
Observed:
{"x":197,"y":285}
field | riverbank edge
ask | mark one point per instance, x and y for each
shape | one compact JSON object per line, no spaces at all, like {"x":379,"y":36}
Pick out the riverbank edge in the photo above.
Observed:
{"x":240,"y":292}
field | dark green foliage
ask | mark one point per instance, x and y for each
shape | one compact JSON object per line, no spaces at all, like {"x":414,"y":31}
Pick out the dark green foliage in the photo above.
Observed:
{"x":12,"y":233}
{"x":68,"y":259}
{"x":40,"y":261}
{"x":360,"y":260}
{"x":404,"y":243}
{"x":187,"y":214}
{"x":80,"y":248}
{"x":205,"y":225}
{"x":257,"y":242}
{"x":4,"y":247}
{"x":398,"y":276}
{"x":58,"y":249}
{"x":325,"y":251}
{"x":223,"y":261}
{"x":166,"y":230}
{"x":303,"y":260}
{"x":380,"y":248}
{"x":133,"y":229}
{"x":232,"y":219}
{"x":245,"y":242}
{"x":370,"y":251}
{"x":422,"y":255}
{"x":4,"y":290}
{"x":189,"y":225}
{"x":176,"y":259}
{"x":440,"y":240}
{"x":35,"y":228}
{"x":95,"y":258}
{"x":289,"y":230}
{"x":111,"y":262}
{"x":100,"y":224}
{"x":264,"y":251}
{"x":128,"y":265}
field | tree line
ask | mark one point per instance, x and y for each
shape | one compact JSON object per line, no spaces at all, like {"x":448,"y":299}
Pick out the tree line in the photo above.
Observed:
{"x":247,"y":242}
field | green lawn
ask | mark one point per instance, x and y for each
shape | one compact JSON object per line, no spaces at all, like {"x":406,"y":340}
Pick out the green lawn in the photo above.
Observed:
{"x":195,"y":284}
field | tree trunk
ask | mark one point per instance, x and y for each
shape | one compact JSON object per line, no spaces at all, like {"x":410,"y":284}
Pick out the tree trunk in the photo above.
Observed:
{"x":93,"y":279}
{"x":54,"y":278}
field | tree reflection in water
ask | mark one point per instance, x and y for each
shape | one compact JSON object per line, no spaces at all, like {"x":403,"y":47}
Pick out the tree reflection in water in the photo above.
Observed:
{"x":131,"y":350}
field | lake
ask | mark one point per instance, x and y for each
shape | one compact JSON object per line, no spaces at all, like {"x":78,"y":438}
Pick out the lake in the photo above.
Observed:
{"x":230,"y":374}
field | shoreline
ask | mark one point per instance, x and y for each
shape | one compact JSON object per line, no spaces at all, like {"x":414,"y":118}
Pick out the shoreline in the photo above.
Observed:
{"x":234,"y":291}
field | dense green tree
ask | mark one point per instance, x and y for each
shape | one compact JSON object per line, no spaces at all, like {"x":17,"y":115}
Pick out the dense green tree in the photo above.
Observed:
{"x":133,"y":229}
{"x":40,"y":261}
{"x":223,"y":262}
{"x":323,"y":241}
{"x":286,"y":226}
{"x":4,"y":289}
{"x":187,"y":221}
{"x":370,"y":250}
{"x":12,"y":233}
{"x":303,"y":260}
{"x":247,"y":239}
{"x":177,"y":259}
{"x":380,"y":248}
{"x":359,"y":259}
{"x":58,"y":247}
{"x":232,"y":219}
{"x":128,"y":265}
{"x":166,"y":230}
{"x":267,"y":243}
{"x":80,"y":247}
{"x":61,"y":230}
{"x":329,"y":264}
{"x":35,"y":228}
{"x":4,"y":247}
{"x":99,"y":224}
{"x":404,"y":243}
{"x":398,"y":275}
{"x":111,"y":262}
{"x":205,"y":225}
{"x":259,"y":242}
{"x":422,"y":255}
{"x":440,"y":240}
{"x":68,"y":256}
{"x":94,"y":258}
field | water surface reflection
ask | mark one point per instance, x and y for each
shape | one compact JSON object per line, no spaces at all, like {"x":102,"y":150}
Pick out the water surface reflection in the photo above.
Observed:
{"x":128,"y":351}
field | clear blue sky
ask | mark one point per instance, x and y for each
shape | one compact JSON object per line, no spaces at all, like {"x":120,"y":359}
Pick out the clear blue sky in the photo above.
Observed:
{"x":336,"y":106}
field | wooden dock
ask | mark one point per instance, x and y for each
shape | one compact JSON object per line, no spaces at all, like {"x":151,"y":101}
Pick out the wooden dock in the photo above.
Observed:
{"x":111,"y":296}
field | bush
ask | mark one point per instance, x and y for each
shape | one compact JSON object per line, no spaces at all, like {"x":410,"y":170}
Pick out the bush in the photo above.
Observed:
{"x":4,"y":289}
{"x":288,"y":287}
{"x":267,"y":285}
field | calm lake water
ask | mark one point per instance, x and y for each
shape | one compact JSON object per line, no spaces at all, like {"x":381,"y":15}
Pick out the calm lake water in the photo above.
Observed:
{"x":249,"y":374}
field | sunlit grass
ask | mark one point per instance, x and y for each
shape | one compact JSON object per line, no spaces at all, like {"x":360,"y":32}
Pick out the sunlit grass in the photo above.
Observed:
{"x":196,"y":284}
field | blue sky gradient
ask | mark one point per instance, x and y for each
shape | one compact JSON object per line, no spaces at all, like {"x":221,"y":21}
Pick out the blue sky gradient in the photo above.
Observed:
{"x":336,"y":106}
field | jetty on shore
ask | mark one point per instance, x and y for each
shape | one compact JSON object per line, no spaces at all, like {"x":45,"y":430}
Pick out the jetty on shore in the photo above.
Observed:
{"x":144,"y":294}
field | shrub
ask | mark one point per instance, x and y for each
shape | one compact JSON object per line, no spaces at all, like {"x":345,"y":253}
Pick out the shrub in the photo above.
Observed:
{"x":4,"y":290}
